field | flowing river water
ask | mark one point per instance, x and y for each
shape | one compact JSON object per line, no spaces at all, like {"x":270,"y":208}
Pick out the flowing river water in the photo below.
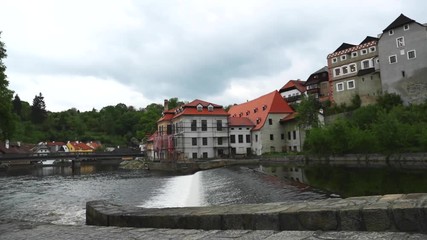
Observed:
{"x":56,"y":195}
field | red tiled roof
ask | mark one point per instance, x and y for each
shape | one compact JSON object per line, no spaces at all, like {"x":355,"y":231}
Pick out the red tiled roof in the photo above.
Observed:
{"x":167,"y":115}
{"x":258,"y":109}
{"x":93,"y":145}
{"x":55,"y":143}
{"x":290,"y":117}
{"x":191,"y":109}
{"x":80,"y":146}
{"x":240,"y":121}
{"x":294,"y":84}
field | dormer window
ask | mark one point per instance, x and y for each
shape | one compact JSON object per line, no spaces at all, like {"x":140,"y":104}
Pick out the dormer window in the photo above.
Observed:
{"x":247,"y":113}
{"x":199,"y":107}
{"x":210,"y":108}
{"x":240,"y":114}
{"x":258,"y":120}
{"x":255,"y":110}
{"x":406,"y":27}
{"x":264,"y":107}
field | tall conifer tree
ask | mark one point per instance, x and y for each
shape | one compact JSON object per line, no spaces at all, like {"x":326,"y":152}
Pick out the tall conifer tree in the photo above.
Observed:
{"x":7,"y":124}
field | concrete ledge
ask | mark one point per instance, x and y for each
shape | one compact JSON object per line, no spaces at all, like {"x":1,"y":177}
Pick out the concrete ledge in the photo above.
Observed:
{"x":397,"y":212}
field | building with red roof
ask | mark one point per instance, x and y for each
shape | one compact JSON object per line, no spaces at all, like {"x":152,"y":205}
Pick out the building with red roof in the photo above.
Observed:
{"x":198,"y":129}
{"x":240,"y":135}
{"x":78,"y":147}
{"x":265,"y":112}
{"x":293,"y":90}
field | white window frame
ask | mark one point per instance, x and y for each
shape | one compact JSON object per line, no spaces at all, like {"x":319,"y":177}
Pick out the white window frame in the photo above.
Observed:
{"x":199,"y":107}
{"x":338,"y":88}
{"x":343,"y":57}
{"x":391,"y":32}
{"x":400,"y":43}
{"x":334,"y":60}
{"x":389,"y":59}
{"x":354,"y":54}
{"x":348,"y":84}
{"x":355,"y":67}
{"x":410,"y":51}
{"x":406,"y":27}
{"x":335,"y":72}
{"x":372,"y":49}
{"x":345,"y":70}
{"x":364,"y":51}
{"x":362,"y":63}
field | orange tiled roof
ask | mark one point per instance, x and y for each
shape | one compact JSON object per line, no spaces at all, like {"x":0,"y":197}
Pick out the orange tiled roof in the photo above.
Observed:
{"x":258,"y":109}
{"x":240,"y":121}
{"x":93,"y":145}
{"x":191,"y":109}
{"x":292,"y":84}
{"x":55,"y":143}
{"x":290,"y":117}
{"x":80,"y":146}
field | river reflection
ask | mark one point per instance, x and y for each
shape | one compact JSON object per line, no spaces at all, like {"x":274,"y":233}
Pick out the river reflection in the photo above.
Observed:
{"x":57,"y":195}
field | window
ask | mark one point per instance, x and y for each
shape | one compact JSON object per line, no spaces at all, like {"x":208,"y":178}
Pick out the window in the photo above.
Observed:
{"x":391,"y":32}
{"x":205,"y":155}
{"x":240,"y":138}
{"x":392,"y":59}
{"x":248,"y":138}
{"x":271,"y":137}
{"x":344,"y":70}
{"x":403,"y":74}
{"x":220,"y":141}
{"x":199,"y":107}
{"x":219,"y":125}
{"x":337,"y":71}
{"x":354,"y":54}
{"x":282,"y":136}
{"x":365,"y":64}
{"x":256,"y":137}
{"x":205,"y":141}
{"x":194,"y":155}
{"x":210,"y":108}
{"x":340,"y":87}
{"x":363,"y":52}
{"x":270,"y":121}
{"x":194,"y":141}
{"x":194,"y":125}
{"x":204,"y":125}
{"x":353,"y":67}
{"x":400,"y":42}
{"x":289,"y":135}
{"x":372,"y":49}
{"x":350,"y":84}
{"x":343,"y":57}
{"x":169,"y":129}
{"x":406,"y":27}
{"x":334,"y":60}
{"x":295,"y":134}
{"x":411,"y":54}
{"x":232,"y":138}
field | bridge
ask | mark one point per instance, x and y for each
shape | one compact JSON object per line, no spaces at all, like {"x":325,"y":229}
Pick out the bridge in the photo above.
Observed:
{"x":67,"y":155}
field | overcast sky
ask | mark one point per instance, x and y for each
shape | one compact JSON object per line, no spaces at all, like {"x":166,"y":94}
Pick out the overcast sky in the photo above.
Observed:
{"x":94,"y":53}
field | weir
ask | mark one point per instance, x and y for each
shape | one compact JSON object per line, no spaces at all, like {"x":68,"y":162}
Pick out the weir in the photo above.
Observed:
{"x":397,"y":212}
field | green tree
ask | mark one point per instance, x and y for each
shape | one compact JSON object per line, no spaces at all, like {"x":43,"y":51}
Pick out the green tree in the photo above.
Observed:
{"x":38,"y":110}
{"x":308,"y":111}
{"x":17,"y":105}
{"x":7,"y":122}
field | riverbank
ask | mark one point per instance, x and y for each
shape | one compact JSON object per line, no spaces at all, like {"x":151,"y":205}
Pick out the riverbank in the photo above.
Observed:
{"x":12,"y":230}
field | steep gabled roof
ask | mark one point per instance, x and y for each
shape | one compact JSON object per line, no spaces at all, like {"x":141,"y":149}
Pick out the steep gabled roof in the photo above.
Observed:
{"x":240,"y":121}
{"x":400,"y":21}
{"x":312,"y":80}
{"x":257,"y":110}
{"x":368,"y":39}
{"x":344,"y":46}
{"x":290,"y":117}
{"x":294,"y":84}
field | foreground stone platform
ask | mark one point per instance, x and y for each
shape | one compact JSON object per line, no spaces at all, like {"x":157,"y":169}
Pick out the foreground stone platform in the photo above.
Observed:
{"x":391,"y":213}
{"x":12,"y":230}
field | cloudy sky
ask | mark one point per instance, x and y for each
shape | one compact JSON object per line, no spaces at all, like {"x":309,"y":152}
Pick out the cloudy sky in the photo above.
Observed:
{"x":94,"y":53}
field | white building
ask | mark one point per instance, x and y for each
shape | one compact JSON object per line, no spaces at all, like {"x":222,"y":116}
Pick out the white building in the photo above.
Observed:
{"x":240,"y":136}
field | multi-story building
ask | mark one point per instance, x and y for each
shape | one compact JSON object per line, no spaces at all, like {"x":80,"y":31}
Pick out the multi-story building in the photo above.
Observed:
{"x":317,"y":84}
{"x":194,"y":130}
{"x":354,"y":70}
{"x":268,"y":134}
{"x":403,"y":59}
{"x":293,"y":91}
{"x":240,"y":136}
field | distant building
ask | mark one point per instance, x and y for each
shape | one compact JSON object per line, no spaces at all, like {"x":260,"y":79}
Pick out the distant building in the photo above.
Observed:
{"x":293,"y":91}
{"x":195,"y":130}
{"x":57,"y":147}
{"x":268,"y":134}
{"x":403,"y":59}
{"x":77,"y":146}
{"x":354,"y":70}
{"x":317,"y":84}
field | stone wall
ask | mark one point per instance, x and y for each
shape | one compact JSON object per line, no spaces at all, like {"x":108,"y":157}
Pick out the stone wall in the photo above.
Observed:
{"x":403,"y":213}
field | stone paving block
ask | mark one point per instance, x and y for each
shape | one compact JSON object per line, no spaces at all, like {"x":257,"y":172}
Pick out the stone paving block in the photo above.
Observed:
{"x":350,"y":219}
{"x":376,"y":218}
{"x":291,"y":235}
{"x":325,"y":220}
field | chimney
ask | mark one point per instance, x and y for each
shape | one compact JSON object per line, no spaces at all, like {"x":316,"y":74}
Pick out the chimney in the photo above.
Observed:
{"x":166,"y":105}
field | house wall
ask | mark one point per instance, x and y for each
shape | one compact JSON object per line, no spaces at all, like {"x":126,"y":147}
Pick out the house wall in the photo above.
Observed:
{"x":406,"y":77}
{"x":183,"y":138}
{"x":290,"y":93}
{"x":276,"y":130}
{"x":294,"y":135}
{"x":241,"y":148}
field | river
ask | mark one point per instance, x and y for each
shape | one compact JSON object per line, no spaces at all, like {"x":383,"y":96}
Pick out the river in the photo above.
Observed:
{"x":56,"y":195}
